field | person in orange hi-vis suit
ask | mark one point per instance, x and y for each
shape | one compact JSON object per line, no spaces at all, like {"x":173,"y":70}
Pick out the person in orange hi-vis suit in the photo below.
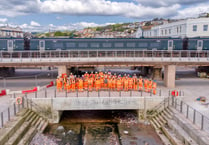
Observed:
{"x":113,"y":83}
{"x":73,"y":85}
{"x":68,"y":85}
{"x":125,"y":82}
{"x":90,"y":84}
{"x":80,"y":85}
{"x":85,"y":83}
{"x":140,"y":83}
{"x":154,"y":86}
{"x":109,"y":83}
{"x":145,"y":85}
{"x":59,"y":84}
{"x":97,"y":84}
{"x":119,"y":84}
{"x":135,"y":82}
{"x":130,"y":83}
{"x":105,"y":82}
{"x":150,"y":85}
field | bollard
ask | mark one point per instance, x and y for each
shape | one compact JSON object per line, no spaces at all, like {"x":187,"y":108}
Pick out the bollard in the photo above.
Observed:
{"x":141,"y":93}
{"x":76,"y":92}
{"x":14,"y":109}
{"x":2,"y":119}
{"x":87,"y":93}
{"x":65,"y":93}
{"x":181,"y":105}
{"x":202,"y":122}
{"x":187,"y":115}
{"x":130,"y":93}
{"x":150,"y":92}
{"x":45,"y":93}
{"x":109,"y":93}
{"x":160,"y":92}
{"x":98,"y":94}
{"x":120,"y":93}
{"x":23,"y":102}
{"x":194,"y":116}
{"x":8,"y":114}
{"x":36,"y":94}
{"x":14,"y":95}
{"x":55,"y":93}
{"x":169,"y":93}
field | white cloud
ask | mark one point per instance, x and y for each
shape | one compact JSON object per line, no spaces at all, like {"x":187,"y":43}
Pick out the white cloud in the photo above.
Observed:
{"x":104,"y":7}
{"x":35,"y":24}
{"x":3,"y":20}
{"x":193,"y":11}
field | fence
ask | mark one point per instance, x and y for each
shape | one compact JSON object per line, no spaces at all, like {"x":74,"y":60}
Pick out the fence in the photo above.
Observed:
{"x":103,"y":53}
{"x":192,"y":114}
{"x":53,"y":93}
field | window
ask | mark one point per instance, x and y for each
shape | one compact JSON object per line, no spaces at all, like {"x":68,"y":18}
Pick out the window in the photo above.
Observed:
{"x":177,"y":29}
{"x":199,"y":43}
{"x":170,"y":44}
{"x":205,"y":27}
{"x":161,"y":32}
{"x":107,"y":44}
{"x":82,"y":45}
{"x":180,"y":29}
{"x":143,"y":44}
{"x":94,"y":45}
{"x":194,"y":28}
{"x":118,"y":44}
{"x":165,"y":32}
{"x":154,"y":44}
{"x":169,"y":31}
{"x":42,"y":44}
{"x":131,"y":44}
{"x":70,"y":44}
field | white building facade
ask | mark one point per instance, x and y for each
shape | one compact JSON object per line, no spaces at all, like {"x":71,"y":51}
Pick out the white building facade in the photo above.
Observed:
{"x":185,"y":28}
{"x":11,"y":32}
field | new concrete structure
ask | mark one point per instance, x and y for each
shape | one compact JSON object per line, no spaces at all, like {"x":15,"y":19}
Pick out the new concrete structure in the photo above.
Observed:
{"x":184,"y":28}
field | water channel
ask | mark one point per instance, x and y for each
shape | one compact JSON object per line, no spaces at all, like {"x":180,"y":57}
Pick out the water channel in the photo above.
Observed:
{"x":98,"y":128}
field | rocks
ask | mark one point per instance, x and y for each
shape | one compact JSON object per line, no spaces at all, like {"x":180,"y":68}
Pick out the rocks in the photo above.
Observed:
{"x":59,"y":130}
{"x":44,"y":140}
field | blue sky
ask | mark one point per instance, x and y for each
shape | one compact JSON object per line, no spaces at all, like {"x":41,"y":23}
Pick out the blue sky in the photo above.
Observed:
{"x":42,"y":15}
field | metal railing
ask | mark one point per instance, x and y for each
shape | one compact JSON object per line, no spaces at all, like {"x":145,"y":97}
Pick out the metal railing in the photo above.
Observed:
{"x":199,"y":119}
{"x":104,"y":53}
{"x":54,"y":93}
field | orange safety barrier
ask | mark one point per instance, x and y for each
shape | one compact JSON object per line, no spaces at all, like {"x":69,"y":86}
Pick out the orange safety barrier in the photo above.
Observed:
{"x":3,"y":92}
{"x":30,"y":91}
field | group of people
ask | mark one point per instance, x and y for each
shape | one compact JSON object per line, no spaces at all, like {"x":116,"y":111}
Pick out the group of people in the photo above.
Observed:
{"x":104,"y":81}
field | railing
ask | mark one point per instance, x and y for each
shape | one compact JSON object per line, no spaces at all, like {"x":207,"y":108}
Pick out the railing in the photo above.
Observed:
{"x":104,"y":53}
{"x":192,"y":114}
{"x":54,"y":93}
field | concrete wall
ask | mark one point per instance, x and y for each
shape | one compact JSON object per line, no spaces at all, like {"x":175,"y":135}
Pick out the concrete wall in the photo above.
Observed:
{"x":53,"y":107}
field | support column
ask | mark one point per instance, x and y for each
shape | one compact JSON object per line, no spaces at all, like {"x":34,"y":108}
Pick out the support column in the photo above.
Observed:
{"x":169,"y":76}
{"x":157,"y":75}
{"x":63,"y":69}
{"x":56,"y":116}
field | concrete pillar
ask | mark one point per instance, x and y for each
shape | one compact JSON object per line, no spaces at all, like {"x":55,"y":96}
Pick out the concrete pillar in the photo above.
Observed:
{"x":169,"y":76}
{"x":56,"y":116}
{"x":157,"y":74}
{"x":63,"y":69}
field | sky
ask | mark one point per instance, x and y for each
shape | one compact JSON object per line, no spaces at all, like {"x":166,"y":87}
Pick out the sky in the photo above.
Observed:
{"x":42,"y":15}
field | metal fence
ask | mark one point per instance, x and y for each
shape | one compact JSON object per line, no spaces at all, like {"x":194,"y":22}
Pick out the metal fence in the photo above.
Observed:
{"x":54,"y":93}
{"x":104,"y":53}
{"x":192,"y":114}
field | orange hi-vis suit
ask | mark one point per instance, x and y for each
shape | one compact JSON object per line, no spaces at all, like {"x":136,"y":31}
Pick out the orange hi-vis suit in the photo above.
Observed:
{"x":113,"y":84}
{"x":97,"y":84}
{"x":154,"y":86}
{"x":68,"y":86}
{"x":150,"y":86}
{"x":109,"y":83}
{"x":105,"y":82}
{"x":80,"y":85}
{"x":119,"y":85}
{"x":125,"y":86}
{"x":90,"y":84}
{"x":85,"y":83}
{"x":59,"y":84}
{"x":140,"y":84}
{"x":135,"y":83}
{"x":145,"y":85}
{"x":130,"y":83}
{"x":73,"y":85}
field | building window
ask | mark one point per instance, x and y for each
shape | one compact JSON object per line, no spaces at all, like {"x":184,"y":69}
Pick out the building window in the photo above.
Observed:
{"x":165,"y":32}
{"x":180,"y":29}
{"x":205,"y":27}
{"x":161,"y":32}
{"x":195,"y":28}
{"x":169,"y":31}
{"x":177,"y":29}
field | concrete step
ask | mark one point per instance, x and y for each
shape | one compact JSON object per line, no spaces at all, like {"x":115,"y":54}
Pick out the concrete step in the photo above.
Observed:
{"x":159,"y":121}
{"x":44,"y":127}
{"x":153,"y":124}
{"x":169,"y":111}
{"x":156,"y":123}
{"x":161,"y":118}
{"x":29,"y":116}
{"x":41,"y":124}
{"x":166,"y":115}
{"x":32,"y":118}
{"x":28,"y":136}
{"x":171,"y":136}
{"x":16,"y":137}
{"x":38,"y":122}
{"x":180,"y":133}
{"x":35,"y":120}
